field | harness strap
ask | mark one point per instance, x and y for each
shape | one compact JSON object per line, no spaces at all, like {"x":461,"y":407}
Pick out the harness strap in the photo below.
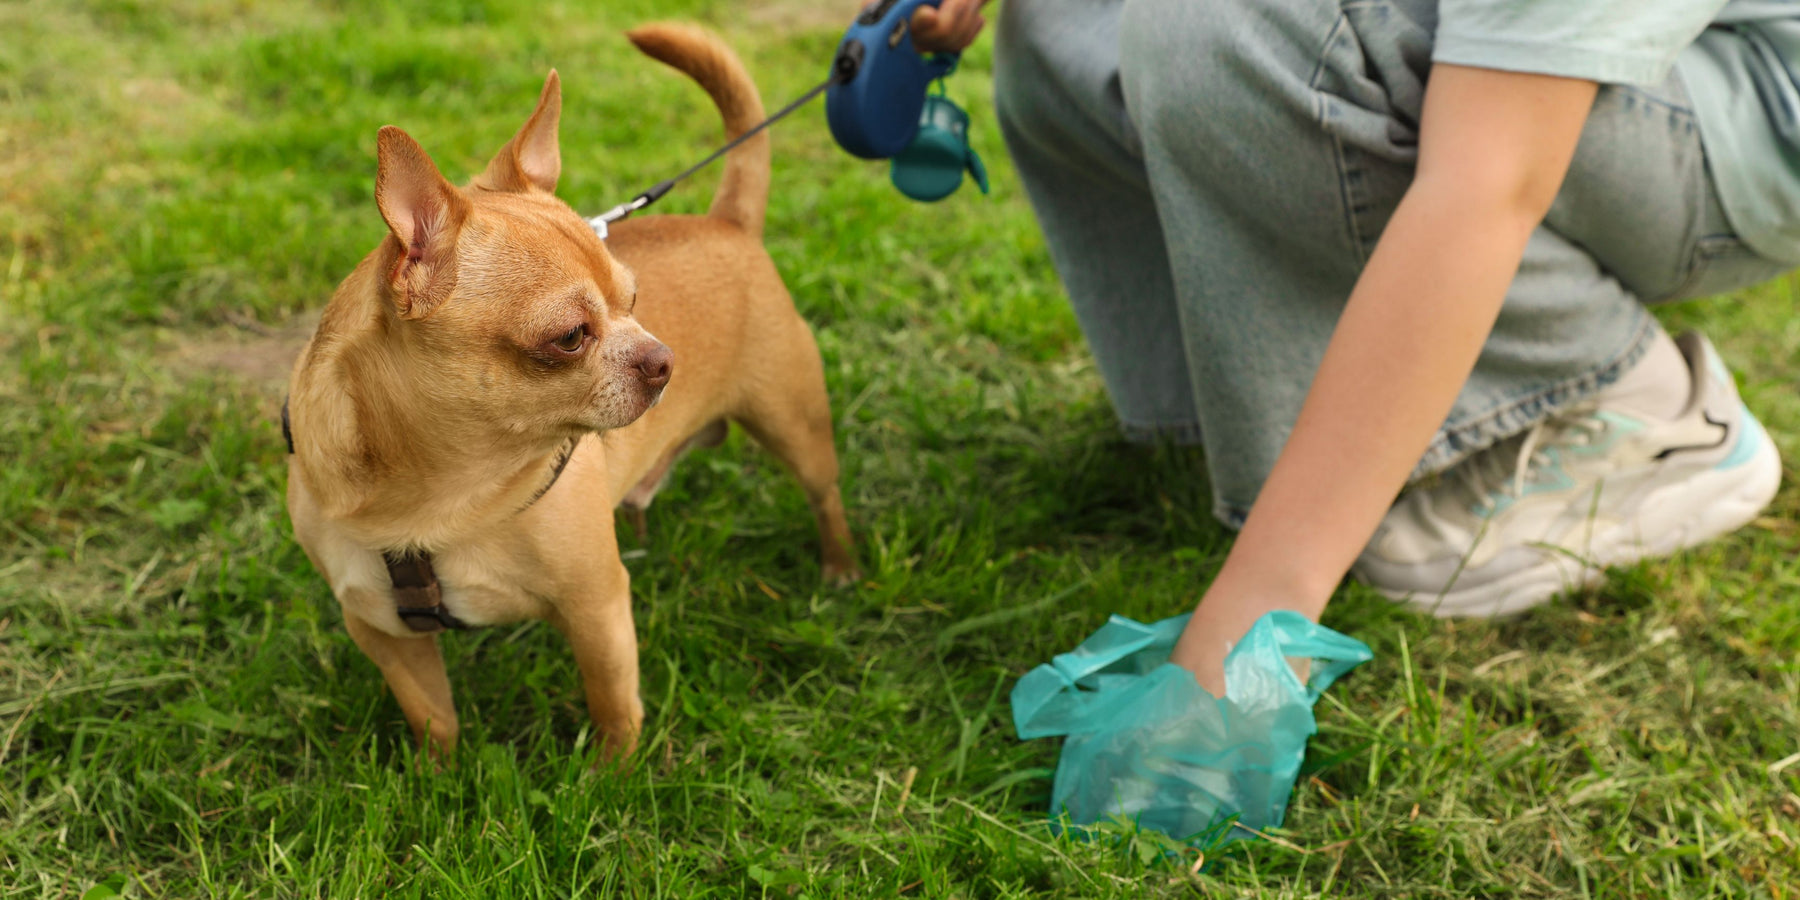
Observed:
{"x":418,"y":597}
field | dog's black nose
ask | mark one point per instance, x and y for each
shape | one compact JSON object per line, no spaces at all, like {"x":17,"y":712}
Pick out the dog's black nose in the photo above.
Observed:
{"x":654,"y":365}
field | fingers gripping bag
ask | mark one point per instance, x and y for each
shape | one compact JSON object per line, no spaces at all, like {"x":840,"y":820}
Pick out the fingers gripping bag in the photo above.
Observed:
{"x":1146,"y":743}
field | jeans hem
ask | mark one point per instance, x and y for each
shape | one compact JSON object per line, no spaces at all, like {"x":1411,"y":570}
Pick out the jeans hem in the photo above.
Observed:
{"x":1181,"y":434}
{"x":1455,"y":443}
{"x":1229,"y":515}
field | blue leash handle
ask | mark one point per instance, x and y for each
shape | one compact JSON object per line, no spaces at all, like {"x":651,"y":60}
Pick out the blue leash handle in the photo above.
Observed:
{"x":880,"y":81}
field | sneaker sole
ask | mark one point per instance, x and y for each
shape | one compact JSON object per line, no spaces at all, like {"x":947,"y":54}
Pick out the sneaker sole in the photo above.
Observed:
{"x":1713,"y":503}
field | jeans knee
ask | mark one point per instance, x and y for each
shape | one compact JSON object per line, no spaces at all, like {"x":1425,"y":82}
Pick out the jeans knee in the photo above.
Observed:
{"x":1219,"y":64}
{"x":1162,"y":31}
{"x":1029,"y":57}
{"x":1186,"y":59}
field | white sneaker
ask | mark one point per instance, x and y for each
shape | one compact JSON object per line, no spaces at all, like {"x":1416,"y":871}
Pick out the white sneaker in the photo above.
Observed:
{"x":1591,"y":487}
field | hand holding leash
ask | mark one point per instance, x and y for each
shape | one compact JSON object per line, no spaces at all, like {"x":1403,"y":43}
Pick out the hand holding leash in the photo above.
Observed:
{"x":949,"y":27}
{"x":881,"y":107}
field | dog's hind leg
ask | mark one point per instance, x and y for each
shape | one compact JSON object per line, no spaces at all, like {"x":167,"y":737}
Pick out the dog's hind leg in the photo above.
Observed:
{"x":638,"y":499}
{"x":414,"y":669}
{"x":794,"y":423}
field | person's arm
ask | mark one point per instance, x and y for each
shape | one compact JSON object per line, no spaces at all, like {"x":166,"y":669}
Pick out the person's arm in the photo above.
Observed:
{"x":1493,"y":149}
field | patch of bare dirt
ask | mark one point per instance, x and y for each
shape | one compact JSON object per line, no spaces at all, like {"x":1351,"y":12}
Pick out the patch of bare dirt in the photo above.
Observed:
{"x":801,"y":15}
{"x":259,"y":355}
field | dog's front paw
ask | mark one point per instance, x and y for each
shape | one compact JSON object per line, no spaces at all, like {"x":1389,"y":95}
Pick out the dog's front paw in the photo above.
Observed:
{"x":841,"y":575}
{"x":617,"y":737}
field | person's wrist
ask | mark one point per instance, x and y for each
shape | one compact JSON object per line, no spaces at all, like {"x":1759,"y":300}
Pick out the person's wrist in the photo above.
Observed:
{"x":1276,"y":577}
{"x":1226,"y":613}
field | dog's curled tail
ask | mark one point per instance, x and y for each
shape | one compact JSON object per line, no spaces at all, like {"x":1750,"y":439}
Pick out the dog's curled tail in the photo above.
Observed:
{"x":744,"y":191}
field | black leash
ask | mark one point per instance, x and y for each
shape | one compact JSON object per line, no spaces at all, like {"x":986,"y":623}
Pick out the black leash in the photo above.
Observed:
{"x":654,"y":194}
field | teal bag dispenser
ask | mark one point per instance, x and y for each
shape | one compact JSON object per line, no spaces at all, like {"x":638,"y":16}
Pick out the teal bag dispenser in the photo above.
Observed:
{"x":932,"y":165}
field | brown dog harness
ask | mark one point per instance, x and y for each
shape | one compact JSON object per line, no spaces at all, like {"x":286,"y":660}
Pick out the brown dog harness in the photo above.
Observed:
{"x":418,"y":598}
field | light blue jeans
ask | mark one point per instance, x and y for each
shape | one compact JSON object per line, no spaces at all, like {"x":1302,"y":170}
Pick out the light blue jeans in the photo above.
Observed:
{"x":1211,"y":176}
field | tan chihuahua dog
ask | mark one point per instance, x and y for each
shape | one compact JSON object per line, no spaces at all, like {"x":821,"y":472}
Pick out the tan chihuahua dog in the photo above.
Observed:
{"x":485,"y":389}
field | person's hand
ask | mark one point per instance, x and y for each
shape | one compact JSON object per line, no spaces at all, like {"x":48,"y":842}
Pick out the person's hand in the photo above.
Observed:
{"x":949,"y":27}
{"x":1219,"y":623}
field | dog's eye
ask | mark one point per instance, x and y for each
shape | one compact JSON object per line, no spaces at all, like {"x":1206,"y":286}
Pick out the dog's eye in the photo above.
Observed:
{"x":571,"y":342}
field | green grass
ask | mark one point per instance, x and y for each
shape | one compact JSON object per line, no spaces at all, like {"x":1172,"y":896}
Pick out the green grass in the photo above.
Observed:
{"x":181,"y":714}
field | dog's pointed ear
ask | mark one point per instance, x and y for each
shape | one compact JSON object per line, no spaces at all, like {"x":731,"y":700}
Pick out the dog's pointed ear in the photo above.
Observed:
{"x":532,"y":158}
{"x":425,"y":213}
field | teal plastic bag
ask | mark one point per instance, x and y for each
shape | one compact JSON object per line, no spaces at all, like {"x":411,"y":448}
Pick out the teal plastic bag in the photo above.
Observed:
{"x":1146,"y":743}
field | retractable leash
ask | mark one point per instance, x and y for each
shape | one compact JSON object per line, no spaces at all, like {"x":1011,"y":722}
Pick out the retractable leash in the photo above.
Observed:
{"x":877,"y":106}
{"x":883,"y":109}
